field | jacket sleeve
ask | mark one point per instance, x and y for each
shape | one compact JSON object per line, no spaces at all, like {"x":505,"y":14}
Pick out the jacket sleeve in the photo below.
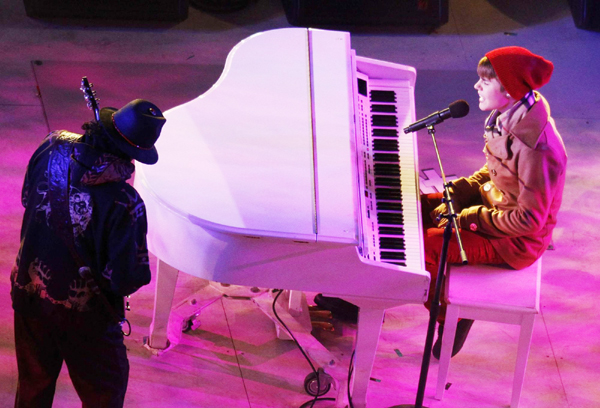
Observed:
{"x":540,"y":173}
{"x":465,"y":192}
{"x":128,"y":268}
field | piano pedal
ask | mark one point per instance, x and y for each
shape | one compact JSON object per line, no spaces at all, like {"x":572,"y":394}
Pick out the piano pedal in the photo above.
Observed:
{"x":320,"y":318}
{"x":316,"y":313}
{"x":326,"y":326}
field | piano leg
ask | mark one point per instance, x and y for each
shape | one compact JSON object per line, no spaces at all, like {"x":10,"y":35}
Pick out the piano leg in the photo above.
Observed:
{"x":166,"y":279}
{"x":367,"y":337}
{"x":296,"y":301}
{"x":169,"y":322}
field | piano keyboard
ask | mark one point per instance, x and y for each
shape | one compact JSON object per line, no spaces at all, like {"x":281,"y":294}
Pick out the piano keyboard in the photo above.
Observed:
{"x":387,"y":175}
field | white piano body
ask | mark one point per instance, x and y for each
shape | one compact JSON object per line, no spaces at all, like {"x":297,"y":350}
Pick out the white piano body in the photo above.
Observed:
{"x":261,"y":182}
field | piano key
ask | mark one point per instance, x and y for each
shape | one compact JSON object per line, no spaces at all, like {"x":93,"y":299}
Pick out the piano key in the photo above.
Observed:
{"x":390,"y":218}
{"x":391,"y":230}
{"x":384,"y":120}
{"x":387,"y":194}
{"x":392,"y":169}
{"x":391,"y":243}
{"x":383,"y":108}
{"x":392,"y":255}
{"x":383,"y":96}
{"x":387,"y":181}
{"x":385,"y":132}
{"x":387,"y":145}
{"x":395,"y":263}
{"x":386,"y":157}
{"x":389,"y":205}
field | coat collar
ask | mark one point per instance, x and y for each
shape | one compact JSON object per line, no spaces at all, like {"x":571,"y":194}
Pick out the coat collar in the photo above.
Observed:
{"x":97,"y":167}
{"x":527,"y":126}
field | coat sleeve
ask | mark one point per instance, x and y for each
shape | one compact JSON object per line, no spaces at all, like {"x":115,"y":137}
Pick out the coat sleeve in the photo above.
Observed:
{"x":128,"y":268}
{"x":465,"y":192}
{"x":540,"y":174}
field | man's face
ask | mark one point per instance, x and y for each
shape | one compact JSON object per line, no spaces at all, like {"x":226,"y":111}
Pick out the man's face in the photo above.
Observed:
{"x":491,"y":95}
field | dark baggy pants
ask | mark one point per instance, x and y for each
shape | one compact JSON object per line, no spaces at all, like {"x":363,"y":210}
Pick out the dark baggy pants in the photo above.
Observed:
{"x":94,"y":354}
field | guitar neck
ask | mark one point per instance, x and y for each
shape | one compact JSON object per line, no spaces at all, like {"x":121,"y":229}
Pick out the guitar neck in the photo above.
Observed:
{"x":90,"y":97}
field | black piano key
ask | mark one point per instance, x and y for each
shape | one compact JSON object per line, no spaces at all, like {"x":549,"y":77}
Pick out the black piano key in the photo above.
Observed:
{"x":399,"y":263}
{"x":386,"y":169}
{"x":385,"y":132}
{"x":391,"y":230}
{"x":386,"y":157}
{"x":389,"y":205}
{"x":392,"y":255}
{"x":383,"y":108}
{"x":386,"y":145}
{"x":383,"y":96}
{"x":390,"y":218}
{"x":391,"y":243}
{"x":387,"y":181}
{"x":384,"y":120}
{"x":387,"y":194}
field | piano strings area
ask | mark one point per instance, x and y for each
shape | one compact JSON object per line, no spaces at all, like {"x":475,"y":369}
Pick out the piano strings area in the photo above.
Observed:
{"x":231,"y":356}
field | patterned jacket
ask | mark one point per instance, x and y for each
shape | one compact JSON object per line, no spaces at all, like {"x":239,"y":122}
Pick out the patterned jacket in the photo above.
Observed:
{"x":109,"y":225}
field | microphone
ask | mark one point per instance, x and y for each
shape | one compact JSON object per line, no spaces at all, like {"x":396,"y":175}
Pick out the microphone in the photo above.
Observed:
{"x":456,"y":109}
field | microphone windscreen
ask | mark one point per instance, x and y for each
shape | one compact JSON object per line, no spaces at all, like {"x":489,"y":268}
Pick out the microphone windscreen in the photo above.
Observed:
{"x":458,"y":109}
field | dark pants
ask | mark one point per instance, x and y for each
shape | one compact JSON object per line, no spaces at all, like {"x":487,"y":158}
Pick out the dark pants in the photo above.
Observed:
{"x":479,"y":250}
{"x":94,"y":354}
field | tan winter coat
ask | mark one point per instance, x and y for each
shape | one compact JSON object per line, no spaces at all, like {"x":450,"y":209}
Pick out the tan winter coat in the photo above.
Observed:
{"x":519,"y":190}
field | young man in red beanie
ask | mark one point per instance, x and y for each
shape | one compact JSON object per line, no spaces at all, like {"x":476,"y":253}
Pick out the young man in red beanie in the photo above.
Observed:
{"x":507,"y":209}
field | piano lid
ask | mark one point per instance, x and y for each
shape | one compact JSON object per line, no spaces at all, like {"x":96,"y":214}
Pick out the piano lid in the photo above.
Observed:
{"x":240,"y":157}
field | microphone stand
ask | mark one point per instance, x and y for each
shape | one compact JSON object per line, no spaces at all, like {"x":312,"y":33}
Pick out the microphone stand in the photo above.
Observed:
{"x":434,"y":311}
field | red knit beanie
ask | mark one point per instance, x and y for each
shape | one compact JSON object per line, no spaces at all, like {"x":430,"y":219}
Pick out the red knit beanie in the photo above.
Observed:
{"x":519,"y":70}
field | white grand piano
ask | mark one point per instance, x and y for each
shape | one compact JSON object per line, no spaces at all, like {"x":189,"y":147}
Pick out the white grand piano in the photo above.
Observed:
{"x":292,"y":172}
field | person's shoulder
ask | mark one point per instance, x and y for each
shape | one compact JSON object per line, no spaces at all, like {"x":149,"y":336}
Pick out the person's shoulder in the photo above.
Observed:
{"x":540,"y":110}
{"x":52,"y":137}
{"x":46,"y":142}
{"x":55,"y":135}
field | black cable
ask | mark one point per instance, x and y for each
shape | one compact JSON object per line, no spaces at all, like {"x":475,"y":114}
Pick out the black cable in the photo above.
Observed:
{"x":350,"y":370}
{"x":311,"y":402}
{"x":128,"y":332}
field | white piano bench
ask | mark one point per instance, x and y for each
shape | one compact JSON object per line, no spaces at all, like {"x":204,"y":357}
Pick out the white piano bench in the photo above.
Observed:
{"x":494,"y":294}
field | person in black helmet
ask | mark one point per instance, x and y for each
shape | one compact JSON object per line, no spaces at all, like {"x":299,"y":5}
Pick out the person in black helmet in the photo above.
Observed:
{"x":83,"y":248}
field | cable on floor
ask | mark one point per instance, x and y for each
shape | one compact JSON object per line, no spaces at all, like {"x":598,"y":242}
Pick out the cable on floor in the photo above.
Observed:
{"x":314,"y":400}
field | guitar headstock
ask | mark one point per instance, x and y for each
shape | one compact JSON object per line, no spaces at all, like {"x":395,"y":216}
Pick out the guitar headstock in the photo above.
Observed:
{"x":90,"y":97}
